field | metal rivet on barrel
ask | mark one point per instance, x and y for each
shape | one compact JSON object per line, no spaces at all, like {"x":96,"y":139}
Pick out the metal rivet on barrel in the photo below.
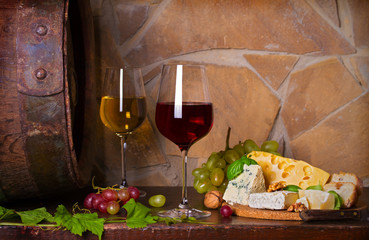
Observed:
{"x":41,"y":30}
{"x":40,"y":74}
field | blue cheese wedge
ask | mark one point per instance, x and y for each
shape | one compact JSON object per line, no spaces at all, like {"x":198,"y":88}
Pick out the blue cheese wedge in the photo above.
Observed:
{"x":251,"y":180}
{"x":273,"y":200}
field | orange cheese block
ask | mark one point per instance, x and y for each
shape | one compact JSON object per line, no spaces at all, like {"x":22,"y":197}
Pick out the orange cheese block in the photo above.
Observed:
{"x":289,"y":171}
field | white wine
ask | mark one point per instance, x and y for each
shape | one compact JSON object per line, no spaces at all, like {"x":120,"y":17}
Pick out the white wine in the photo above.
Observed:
{"x":126,"y":121}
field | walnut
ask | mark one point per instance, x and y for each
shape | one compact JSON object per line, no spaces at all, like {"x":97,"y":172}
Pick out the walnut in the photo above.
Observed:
{"x":297,"y":207}
{"x":213,"y":199}
{"x":276,"y":186}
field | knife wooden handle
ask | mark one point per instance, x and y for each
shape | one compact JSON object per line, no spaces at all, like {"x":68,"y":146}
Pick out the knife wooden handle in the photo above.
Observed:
{"x":356,"y":213}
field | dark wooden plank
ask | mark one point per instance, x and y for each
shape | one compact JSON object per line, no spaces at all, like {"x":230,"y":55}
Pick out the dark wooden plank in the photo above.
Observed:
{"x":233,"y":228}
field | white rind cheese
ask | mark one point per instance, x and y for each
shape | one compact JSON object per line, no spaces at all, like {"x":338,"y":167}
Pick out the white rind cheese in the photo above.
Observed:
{"x":273,"y":200}
{"x":251,"y":180}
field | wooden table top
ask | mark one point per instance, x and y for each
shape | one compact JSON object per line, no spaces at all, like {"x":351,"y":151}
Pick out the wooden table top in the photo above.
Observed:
{"x":232,"y":228}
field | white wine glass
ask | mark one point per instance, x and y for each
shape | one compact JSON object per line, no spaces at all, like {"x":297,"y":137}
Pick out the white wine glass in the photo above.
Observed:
{"x":123,"y":107}
{"x":184,"y":114}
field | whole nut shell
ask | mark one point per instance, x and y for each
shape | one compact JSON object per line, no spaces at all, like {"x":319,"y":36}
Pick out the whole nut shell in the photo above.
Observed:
{"x":213,"y":199}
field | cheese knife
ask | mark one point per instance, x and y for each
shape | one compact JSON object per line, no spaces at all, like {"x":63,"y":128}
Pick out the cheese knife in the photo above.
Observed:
{"x":359,"y":213}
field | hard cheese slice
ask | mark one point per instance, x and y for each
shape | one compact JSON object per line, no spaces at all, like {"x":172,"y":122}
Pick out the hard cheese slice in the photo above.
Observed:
{"x":289,"y":171}
{"x":273,"y":200}
{"x":318,"y":199}
{"x":251,"y":180}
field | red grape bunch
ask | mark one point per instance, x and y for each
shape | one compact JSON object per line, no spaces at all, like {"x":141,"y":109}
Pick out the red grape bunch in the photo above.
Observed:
{"x":110,"y":200}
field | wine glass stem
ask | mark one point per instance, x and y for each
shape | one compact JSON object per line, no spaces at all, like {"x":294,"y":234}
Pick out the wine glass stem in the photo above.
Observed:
{"x":184,"y":202}
{"x":123,"y":148}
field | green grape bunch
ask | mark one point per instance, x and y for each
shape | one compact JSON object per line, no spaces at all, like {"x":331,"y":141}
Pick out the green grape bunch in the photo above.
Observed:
{"x":213,"y":174}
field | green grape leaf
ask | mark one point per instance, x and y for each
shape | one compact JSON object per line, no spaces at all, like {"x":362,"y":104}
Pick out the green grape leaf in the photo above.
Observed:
{"x":138,"y":215}
{"x":315,"y":187}
{"x":91,"y":222}
{"x":33,"y":217}
{"x":7,"y":213}
{"x":80,"y":222}
{"x":236,"y":168}
{"x":338,"y":201}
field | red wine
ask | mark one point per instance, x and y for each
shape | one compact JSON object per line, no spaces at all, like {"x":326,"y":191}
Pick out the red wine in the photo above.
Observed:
{"x":194,"y":122}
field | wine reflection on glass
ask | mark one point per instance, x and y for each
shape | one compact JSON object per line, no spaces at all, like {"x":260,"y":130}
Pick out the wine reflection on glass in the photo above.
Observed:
{"x":123,"y":107}
{"x":184,"y":114}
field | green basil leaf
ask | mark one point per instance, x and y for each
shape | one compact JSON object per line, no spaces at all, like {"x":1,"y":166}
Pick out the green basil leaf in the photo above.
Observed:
{"x":236,"y":168}
{"x":338,"y":201}
{"x":315,"y":187}
{"x":292,"y":188}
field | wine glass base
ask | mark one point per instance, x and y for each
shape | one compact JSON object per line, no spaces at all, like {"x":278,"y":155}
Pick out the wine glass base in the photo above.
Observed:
{"x":142,"y":193}
{"x":188,"y":212}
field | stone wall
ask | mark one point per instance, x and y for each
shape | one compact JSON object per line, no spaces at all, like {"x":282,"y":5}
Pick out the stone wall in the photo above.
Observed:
{"x":293,"y":71}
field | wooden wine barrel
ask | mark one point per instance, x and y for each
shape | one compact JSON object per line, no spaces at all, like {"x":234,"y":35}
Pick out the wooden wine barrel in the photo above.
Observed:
{"x":48,"y":97}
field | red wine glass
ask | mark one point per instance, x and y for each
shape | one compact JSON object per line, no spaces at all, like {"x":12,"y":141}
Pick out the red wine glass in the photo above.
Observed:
{"x":184,"y":114}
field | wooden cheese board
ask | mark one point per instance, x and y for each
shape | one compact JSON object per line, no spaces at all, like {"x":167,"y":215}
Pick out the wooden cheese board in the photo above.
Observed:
{"x":358,"y":212}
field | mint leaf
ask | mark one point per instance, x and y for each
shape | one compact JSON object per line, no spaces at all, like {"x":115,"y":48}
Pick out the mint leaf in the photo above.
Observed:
{"x":138,"y":215}
{"x":236,"y":168}
{"x":80,"y":222}
{"x":33,"y":217}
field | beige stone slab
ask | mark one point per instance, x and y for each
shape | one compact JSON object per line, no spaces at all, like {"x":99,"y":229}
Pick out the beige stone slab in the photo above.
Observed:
{"x":329,"y":9}
{"x":361,"y":68}
{"x":152,"y":179}
{"x":130,"y":16}
{"x":340,"y":142}
{"x":241,"y":101}
{"x":360,"y":22}
{"x":273,"y":68}
{"x":314,"y":92}
{"x":143,"y":150}
{"x":279,"y":26}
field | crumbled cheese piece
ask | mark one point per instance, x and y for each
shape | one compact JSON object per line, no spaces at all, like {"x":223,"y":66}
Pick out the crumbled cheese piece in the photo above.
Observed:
{"x":304,"y":201}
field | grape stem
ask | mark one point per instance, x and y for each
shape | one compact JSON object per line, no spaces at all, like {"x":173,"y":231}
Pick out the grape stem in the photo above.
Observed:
{"x":114,"y":187}
{"x":116,"y":220}
{"x":22,"y":224}
{"x":227,"y":139}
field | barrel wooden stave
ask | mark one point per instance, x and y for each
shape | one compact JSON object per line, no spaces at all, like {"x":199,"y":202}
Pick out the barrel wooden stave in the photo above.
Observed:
{"x":38,"y":137}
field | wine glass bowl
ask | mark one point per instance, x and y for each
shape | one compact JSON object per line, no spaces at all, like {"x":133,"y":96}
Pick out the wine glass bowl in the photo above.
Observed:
{"x":184,"y":115}
{"x":123,"y":106}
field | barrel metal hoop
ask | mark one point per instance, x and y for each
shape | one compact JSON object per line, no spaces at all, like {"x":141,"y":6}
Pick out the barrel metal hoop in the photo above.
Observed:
{"x":39,"y":47}
{"x":42,"y":99}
